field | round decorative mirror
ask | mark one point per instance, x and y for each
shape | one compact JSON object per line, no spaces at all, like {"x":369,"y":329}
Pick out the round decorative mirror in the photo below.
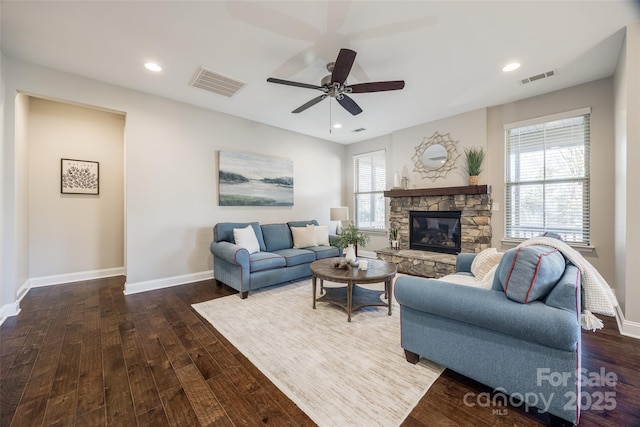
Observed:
{"x":436,"y":156}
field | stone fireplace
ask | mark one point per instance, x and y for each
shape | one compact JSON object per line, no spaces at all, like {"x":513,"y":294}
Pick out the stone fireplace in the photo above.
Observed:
{"x":473,"y":203}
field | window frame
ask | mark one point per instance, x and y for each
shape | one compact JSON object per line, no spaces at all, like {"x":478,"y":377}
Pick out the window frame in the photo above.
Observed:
{"x":584,"y":241}
{"x":382,"y":155}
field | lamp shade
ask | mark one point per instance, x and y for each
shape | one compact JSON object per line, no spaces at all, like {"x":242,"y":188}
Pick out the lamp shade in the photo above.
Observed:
{"x":340,"y":214}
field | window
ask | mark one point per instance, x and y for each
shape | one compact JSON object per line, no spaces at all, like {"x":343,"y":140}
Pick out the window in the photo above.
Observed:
{"x":547,"y":177}
{"x":370,"y":182}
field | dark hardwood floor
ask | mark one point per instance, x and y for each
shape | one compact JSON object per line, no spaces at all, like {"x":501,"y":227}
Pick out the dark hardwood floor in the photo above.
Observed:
{"x":84,"y":354}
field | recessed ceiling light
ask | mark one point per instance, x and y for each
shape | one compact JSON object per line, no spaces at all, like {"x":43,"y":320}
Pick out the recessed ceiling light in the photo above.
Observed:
{"x":511,"y":67}
{"x":337,"y":126}
{"x":152,"y":67}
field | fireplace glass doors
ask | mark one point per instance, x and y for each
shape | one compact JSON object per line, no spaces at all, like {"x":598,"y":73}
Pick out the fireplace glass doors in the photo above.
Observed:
{"x":435,"y":231}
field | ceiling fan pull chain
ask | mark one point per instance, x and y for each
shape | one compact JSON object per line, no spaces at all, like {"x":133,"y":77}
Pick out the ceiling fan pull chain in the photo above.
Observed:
{"x":330,"y":120}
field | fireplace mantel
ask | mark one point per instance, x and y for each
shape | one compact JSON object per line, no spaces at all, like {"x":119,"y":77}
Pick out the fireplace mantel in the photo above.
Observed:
{"x":442,"y":191}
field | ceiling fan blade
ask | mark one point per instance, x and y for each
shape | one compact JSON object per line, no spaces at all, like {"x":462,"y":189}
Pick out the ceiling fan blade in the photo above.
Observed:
{"x":377,"y":86}
{"x":343,"y":65}
{"x":290,"y":83}
{"x":349,"y":105}
{"x":311,"y":103}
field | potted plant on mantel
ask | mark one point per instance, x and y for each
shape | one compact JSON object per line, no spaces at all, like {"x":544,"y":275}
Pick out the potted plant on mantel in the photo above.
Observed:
{"x":475,"y":157}
{"x":349,"y":240}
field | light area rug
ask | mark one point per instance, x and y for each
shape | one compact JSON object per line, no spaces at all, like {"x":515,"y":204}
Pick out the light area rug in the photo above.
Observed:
{"x":338,"y":373}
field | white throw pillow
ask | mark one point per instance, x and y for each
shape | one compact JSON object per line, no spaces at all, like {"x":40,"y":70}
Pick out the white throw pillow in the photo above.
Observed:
{"x":460,"y":279}
{"x":487,"y":280}
{"x":322,"y":234}
{"x":246,"y":238}
{"x":463,"y":279}
{"x":485,"y":261}
{"x":303,"y":237}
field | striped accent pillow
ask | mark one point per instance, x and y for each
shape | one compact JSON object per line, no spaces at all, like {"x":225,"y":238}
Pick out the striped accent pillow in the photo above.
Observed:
{"x":528,"y":273}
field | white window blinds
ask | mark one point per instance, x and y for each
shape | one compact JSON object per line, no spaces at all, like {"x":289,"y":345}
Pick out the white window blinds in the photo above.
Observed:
{"x":547,"y":177}
{"x":370,"y":182}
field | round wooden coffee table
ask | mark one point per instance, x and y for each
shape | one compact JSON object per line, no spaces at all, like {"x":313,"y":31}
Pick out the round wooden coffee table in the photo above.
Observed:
{"x":352,"y":297}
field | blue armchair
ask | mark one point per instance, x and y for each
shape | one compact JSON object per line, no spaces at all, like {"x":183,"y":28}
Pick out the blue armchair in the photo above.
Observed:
{"x":529,"y":351}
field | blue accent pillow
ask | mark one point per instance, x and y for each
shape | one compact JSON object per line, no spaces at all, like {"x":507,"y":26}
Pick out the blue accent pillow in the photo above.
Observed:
{"x":529,"y":273}
{"x":276,"y":237}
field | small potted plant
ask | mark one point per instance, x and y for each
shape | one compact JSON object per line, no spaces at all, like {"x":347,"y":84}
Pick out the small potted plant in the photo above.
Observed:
{"x":350,"y":239}
{"x":393,"y":238}
{"x":475,"y":157}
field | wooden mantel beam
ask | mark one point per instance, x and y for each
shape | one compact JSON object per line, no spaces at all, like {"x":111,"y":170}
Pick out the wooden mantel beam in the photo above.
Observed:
{"x":443,"y":191}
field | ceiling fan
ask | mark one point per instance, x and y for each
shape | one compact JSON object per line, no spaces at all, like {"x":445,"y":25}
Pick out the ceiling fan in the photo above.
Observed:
{"x":334,"y":85}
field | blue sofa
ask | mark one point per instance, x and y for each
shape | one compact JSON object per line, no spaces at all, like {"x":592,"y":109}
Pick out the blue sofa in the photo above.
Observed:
{"x":276,"y":262}
{"x":528,"y":351}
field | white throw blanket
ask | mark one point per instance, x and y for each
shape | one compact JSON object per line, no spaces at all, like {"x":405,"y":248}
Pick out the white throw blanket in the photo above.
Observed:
{"x":597,"y":294}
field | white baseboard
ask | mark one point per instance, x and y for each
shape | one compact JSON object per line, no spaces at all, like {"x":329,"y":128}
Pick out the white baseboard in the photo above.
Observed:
{"x":627,"y":327}
{"x":13,"y":309}
{"x":9,"y":310}
{"x":22,"y":291}
{"x":58,"y":279}
{"x":150,"y":285}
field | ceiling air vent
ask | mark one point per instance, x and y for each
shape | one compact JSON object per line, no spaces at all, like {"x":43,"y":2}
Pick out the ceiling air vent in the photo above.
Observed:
{"x":539,"y":77}
{"x":215,"y":82}
{"x":358,"y":130}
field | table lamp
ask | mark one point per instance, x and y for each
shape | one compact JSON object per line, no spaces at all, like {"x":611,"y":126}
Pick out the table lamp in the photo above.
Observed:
{"x":339,"y":214}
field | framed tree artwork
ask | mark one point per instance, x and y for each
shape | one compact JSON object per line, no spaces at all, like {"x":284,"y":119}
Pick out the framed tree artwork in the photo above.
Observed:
{"x":79,"y":176}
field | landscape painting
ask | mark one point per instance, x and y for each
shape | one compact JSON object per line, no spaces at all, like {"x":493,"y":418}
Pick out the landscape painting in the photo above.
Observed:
{"x":253,"y":180}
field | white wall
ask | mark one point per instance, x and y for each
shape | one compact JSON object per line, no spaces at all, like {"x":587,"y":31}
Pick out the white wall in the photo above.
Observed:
{"x":621,"y":174}
{"x":14,"y":243}
{"x":172,"y":183}
{"x":468,"y":130}
{"x":171,"y":175}
{"x":632,"y":308}
{"x":14,"y":232}
{"x":599,"y":96}
{"x":377,"y":239}
{"x":2,"y":189}
{"x":21,"y":188}
{"x":71,"y":233}
{"x":627,"y":180}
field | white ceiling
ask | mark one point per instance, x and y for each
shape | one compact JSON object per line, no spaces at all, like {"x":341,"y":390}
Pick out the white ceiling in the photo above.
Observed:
{"x":450,"y":53}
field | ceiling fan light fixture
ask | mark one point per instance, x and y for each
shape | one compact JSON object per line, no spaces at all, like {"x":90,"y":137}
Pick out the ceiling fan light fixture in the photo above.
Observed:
{"x":335,"y":85}
{"x":511,"y":67}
